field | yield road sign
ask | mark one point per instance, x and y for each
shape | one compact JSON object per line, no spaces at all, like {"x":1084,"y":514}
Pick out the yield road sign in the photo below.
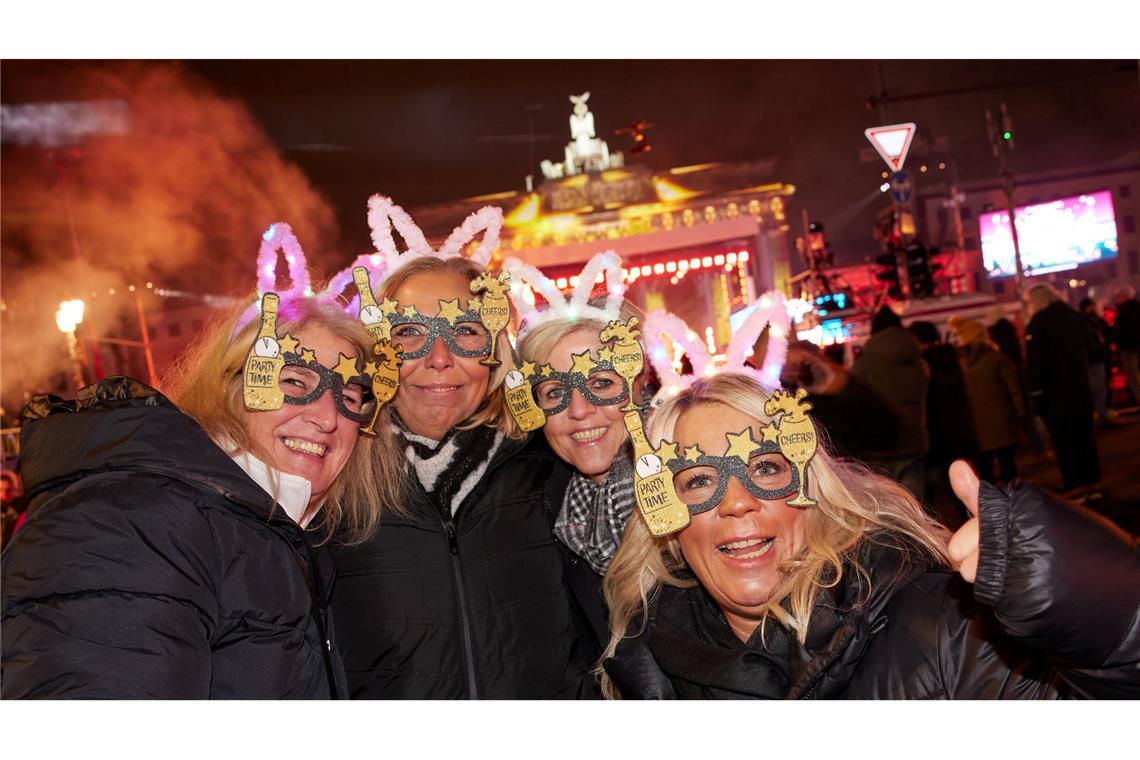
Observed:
{"x":892,"y":142}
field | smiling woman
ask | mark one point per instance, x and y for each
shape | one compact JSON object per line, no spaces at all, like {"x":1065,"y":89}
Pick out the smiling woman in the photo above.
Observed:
{"x":184,"y":542}
{"x":851,"y":595}
{"x":461,"y":593}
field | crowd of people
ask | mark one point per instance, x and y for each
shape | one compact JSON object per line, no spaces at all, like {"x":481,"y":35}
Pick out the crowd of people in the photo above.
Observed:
{"x":390,"y":500}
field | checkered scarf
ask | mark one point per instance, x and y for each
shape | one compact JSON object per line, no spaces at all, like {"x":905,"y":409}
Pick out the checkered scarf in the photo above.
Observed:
{"x":594,"y":515}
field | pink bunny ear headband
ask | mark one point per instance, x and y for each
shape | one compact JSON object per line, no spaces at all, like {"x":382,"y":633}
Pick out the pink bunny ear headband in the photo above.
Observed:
{"x":383,"y":216}
{"x":772,"y":311}
{"x":271,"y":353}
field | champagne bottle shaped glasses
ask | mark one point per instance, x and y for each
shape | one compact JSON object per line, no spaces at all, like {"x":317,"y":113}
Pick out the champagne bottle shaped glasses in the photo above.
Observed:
{"x":261,"y":381}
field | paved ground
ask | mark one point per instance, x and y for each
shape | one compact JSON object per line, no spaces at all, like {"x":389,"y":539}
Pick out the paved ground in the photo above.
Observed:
{"x":1119,"y":450}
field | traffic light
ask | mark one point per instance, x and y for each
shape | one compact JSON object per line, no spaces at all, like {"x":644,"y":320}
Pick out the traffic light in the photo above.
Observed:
{"x":1006,"y":126}
{"x":920,"y":269}
{"x":889,"y":272}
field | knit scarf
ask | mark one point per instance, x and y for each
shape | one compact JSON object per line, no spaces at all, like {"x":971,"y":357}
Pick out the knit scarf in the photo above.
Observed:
{"x":594,"y":515}
{"x":449,"y":469}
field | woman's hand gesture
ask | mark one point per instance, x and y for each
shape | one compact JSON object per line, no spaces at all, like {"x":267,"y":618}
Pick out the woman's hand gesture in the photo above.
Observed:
{"x":963,"y":546}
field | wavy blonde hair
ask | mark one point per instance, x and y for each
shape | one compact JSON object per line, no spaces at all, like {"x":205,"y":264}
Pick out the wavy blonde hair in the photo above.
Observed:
{"x":206,"y":384}
{"x":856,"y":506}
{"x":493,"y":412}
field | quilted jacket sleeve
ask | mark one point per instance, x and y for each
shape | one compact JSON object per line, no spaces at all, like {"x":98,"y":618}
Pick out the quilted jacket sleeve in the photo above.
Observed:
{"x":1065,"y":583}
{"x":109,"y":591}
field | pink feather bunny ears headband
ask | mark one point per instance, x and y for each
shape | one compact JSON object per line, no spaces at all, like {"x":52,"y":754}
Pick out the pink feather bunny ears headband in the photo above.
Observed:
{"x":383,"y":217}
{"x":771,"y":311}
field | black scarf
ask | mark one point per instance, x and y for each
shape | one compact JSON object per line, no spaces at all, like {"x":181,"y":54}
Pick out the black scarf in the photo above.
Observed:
{"x":688,"y":651}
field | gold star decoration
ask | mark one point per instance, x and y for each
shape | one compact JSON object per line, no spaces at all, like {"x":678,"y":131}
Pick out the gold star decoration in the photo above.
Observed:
{"x":667,"y":452}
{"x":289,"y":344}
{"x":693,"y":453}
{"x":545,"y":370}
{"x":527,"y":369}
{"x":388,"y":306}
{"x":369,"y":369}
{"x":770,"y":433}
{"x":606,"y":355}
{"x":346,"y":368}
{"x":449,"y":310}
{"x":741,"y":445}
{"x":583,"y":363}
{"x":410,"y":312}
{"x":308,"y":356}
{"x":474,"y":304}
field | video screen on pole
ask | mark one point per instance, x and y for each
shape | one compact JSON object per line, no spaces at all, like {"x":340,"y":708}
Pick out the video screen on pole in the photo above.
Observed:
{"x":1053,"y":236}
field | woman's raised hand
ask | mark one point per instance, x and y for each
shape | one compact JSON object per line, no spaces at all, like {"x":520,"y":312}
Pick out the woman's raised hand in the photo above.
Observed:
{"x":963,"y":546}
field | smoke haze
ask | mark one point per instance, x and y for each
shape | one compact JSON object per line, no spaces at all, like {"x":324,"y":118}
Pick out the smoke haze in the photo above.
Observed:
{"x":179,"y":200}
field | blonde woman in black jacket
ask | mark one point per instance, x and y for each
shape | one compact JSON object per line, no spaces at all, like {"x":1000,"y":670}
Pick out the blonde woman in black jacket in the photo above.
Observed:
{"x":175,"y":551}
{"x":855,"y":597}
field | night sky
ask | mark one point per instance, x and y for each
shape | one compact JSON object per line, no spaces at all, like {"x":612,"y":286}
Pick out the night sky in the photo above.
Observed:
{"x":430,"y":131}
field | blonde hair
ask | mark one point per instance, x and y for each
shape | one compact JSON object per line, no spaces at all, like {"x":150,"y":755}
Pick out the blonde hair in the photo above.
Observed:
{"x":206,"y":384}
{"x":1041,"y":295}
{"x":855,"y":506}
{"x":538,"y":343}
{"x":493,"y":412}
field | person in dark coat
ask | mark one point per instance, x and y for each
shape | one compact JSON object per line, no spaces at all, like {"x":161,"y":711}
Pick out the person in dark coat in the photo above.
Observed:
{"x":861,"y":596}
{"x":174,"y":553}
{"x":857,"y":420}
{"x":1098,"y":357}
{"x":952,"y":434}
{"x":1056,"y":343}
{"x":995,"y":401}
{"x":1127,"y":332}
{"x":462,"y":592}
{"x":891,"y":365}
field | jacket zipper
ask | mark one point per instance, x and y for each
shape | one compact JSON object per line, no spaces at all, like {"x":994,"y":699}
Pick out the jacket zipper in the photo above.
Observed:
{"x":465,"y":622}
{"x":321,"y":620}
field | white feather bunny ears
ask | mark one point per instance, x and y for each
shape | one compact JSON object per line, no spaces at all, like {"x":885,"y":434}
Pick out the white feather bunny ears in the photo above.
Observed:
{"x":558,"y":306}
{"x":384,"y":215}
{"x":771,"y":311}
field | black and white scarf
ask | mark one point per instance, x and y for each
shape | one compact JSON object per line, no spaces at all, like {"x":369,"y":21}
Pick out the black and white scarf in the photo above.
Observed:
{"x":449,"y":469}
{"x":594,"y":515}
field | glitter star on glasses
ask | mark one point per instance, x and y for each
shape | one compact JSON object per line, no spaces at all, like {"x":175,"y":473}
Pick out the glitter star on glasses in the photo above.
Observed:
{"x":583,"y":363}
{"x":693,"y":453}
{"x":449,"y":310}
{"x":346,"y":368}
{"x":741,"y":445}
{"x":289,"y":344}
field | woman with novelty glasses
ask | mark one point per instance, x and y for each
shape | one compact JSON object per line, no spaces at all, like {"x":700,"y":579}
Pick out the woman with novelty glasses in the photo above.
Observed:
{"x":854,"y":596}
{"x":174,"y":551}
{"x":460,"y":594}
{"x":581,"y":396}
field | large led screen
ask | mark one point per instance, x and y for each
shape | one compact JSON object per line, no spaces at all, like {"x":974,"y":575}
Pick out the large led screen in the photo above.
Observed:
{"x":1053,"y":236}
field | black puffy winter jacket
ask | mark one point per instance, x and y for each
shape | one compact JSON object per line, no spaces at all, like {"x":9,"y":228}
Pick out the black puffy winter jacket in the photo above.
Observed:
{"x":474,"y":606}
{"x":152,"y":566}
{"x":1054,"y":613}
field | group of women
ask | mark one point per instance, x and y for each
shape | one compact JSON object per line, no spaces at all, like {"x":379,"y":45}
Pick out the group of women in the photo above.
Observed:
{"x":440,"y":546}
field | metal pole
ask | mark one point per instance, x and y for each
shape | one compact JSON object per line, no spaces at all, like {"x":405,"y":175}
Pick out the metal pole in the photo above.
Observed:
{"x":1008,"y":186}
{"x":881,"y":82}
{"x":152,"y":378}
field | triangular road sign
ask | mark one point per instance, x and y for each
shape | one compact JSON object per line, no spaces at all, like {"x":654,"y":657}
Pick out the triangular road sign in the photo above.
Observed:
{"x":892,"y":142}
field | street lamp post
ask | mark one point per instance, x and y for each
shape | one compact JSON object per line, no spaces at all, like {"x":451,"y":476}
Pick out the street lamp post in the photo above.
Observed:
{"x":68,"y":318}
